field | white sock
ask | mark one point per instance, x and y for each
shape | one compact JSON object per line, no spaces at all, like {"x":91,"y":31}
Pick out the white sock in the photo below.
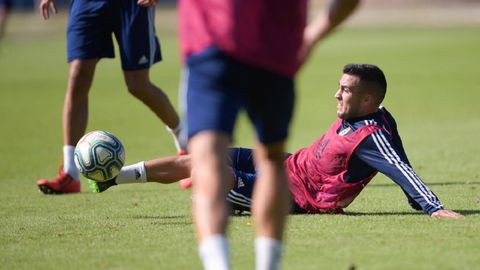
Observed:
{"x":134,"y":173}
{"x":268,"y":252}
{"x":69,"y":162}
{"x":213,"y":252}
{"x":176,"y":136}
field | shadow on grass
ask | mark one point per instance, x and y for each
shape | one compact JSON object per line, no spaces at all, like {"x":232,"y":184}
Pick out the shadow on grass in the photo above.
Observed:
{"x":432,"y":184}
{"x":383,"y":213}
{"x":348,"y":213}
{"x":184,"y":220}
{"x":468,"y":212}
{"x":463,"y":212}
{"x":167,"y":220}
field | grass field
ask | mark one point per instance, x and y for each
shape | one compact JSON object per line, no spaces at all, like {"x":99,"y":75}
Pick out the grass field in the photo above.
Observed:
{"x":434,"y":79}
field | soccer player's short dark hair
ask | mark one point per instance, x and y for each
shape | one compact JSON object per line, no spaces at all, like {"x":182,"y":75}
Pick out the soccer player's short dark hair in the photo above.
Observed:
{"x":371,"y":75}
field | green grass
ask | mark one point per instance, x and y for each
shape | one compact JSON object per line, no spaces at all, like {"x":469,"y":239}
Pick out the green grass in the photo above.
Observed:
{"x":433,"y":92}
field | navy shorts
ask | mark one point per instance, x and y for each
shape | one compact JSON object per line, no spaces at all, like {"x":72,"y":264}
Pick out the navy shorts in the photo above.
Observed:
{"x":91,"y":24}
{"x":218,"y":86}
{"x":6,"y":3}
{"x":244,"y":174}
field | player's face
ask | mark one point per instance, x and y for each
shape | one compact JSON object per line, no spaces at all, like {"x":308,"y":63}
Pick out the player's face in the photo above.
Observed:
{"x":349,"y":97}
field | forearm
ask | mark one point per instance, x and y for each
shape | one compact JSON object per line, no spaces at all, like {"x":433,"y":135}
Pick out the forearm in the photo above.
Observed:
{"x":384,"y":156}
{"x":323,"y":24}
{"x":415,"y":189}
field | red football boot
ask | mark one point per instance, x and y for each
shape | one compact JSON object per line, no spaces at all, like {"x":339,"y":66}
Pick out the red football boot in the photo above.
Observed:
{"x":182,"y":152}
{"x":61,"y":184}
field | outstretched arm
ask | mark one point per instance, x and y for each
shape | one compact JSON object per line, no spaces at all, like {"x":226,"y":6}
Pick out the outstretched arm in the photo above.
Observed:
{"x":379,"y":152}
{"x":323,"y":24}
{"x":440,"y":214}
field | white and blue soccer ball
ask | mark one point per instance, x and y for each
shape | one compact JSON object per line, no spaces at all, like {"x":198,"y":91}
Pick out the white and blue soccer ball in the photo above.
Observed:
{"x":99,"y":156}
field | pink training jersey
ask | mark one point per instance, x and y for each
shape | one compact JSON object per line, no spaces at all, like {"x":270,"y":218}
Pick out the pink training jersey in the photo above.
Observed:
{"x":263,"y":33}
{"x":317,"y":172}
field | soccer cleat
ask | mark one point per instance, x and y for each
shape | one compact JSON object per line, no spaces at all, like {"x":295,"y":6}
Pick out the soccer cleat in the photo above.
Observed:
{"x":99,"y":187}
{"x":182,"y":152}
{"x":62,"y":184}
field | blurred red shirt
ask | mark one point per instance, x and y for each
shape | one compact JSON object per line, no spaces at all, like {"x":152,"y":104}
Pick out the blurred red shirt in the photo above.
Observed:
{"x":263,"y":33}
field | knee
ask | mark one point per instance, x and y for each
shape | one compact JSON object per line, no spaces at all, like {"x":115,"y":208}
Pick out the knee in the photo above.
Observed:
{"x":82,"y":71}
{"x":138,"y":83}
{"x":80,"y":77}
{"x":273,"y":153}
{"x":137,"y":87}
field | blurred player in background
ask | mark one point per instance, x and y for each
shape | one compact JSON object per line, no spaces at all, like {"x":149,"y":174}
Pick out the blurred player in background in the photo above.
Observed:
{"x":244,"y":55}
{"x":328,"y":175}
{"x":89,"y":38}
{"x":5,"y":6}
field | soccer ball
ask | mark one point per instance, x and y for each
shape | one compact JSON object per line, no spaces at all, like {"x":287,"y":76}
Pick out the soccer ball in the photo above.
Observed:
{"x":99,"y":156}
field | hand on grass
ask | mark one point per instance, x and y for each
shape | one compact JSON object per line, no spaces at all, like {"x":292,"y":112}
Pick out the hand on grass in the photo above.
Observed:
{"x":446,"y":214}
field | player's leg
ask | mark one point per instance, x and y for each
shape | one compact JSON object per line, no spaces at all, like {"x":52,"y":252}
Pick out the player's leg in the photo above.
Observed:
{"x":240,"y":193}
{"x":140,"y":86}
{"x":271,"y":117}
{"x":75,"y":106}
{"x":5,"y":6}
{"x":271,"y":205}
{"x":88,"y":39}
{"x":75,"y":115}
{"x":165,"y":170}
{"x":239,"y":159}
{"x":210,"y":210}
{"x":270,"y":196}
{"x":75,"y":109}
{"x":213,"y":102}
{"x":140,"y":49}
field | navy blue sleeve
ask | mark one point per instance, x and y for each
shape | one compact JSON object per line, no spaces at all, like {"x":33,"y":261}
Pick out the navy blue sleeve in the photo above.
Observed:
{"x":381,"y":153}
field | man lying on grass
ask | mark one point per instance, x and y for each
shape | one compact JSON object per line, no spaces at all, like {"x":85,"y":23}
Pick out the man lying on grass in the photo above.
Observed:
{"x":328,"y":175}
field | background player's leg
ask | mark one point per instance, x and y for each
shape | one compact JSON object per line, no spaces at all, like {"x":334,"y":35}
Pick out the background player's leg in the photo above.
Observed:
{"x":75,"y":107}
{"x":270,"y":205}
{"x":75,"y":116}
{"x":139,"y":85}
{"x":4,"y":10}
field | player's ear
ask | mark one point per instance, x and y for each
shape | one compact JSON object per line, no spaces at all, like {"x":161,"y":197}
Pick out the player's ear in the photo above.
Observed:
{"x":368,"y":99}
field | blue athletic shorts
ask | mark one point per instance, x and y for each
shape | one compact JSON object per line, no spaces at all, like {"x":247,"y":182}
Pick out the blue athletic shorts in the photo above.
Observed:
{"x":6,"y":3}
{"x":244,"y":174}
{"x":91,"y":24}
{"x":218,"y":86}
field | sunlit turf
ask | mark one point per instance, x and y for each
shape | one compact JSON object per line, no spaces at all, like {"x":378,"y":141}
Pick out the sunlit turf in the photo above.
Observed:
{"x":433,"y":93}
